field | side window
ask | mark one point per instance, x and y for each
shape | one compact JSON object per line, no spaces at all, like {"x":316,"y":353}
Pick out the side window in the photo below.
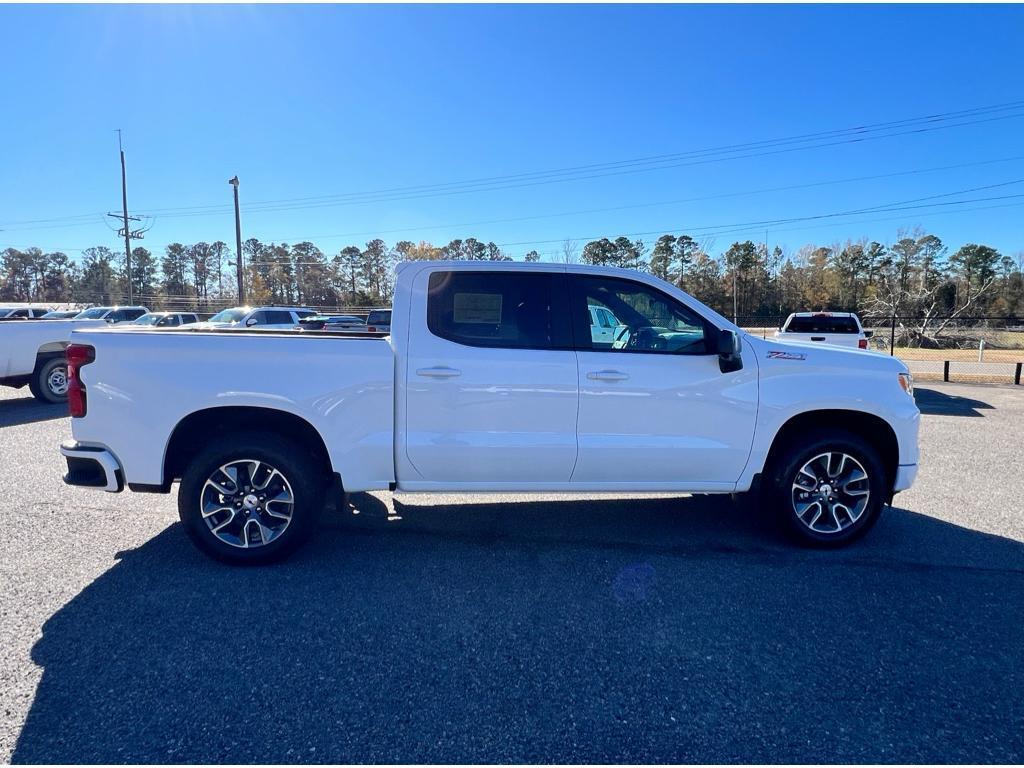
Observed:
{"x":511,"y":310}
{"x":257,"y":318}
{"x":279,"y":317}
{"x":19,"y":313}
{"x":641,"y":319}
{"x":169,"y":322}
{"x":116,"y":316}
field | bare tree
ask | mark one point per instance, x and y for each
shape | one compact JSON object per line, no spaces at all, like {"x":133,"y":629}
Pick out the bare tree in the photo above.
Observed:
{"x":570,"y":252}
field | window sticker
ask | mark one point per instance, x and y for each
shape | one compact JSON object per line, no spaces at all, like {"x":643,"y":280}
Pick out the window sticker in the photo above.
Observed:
{"x":477,"y":308}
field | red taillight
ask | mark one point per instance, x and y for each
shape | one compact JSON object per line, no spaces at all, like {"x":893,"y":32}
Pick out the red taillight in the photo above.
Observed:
{"x":77,"y":355}
{"x":371,"y":328}
{"x":862,"y":343}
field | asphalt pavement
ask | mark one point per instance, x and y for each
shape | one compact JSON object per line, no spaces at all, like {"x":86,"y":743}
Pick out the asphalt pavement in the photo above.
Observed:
{"x":503,"y":628}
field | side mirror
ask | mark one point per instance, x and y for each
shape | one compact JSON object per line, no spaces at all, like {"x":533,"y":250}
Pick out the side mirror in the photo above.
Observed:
{"x":729,"y":348}
{"x":868,"y":334}
{"x":250,"y":322}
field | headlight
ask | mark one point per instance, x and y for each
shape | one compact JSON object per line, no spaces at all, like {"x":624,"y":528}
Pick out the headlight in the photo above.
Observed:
{"x":907,"y":383}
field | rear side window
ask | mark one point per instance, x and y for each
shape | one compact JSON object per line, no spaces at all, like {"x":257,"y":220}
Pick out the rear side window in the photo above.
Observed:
{"x":822,"y":324}
{"x":379,"y":317}
{"x":131,"y":314}
{"x":277,"y":317}
{"x":509,"y":310}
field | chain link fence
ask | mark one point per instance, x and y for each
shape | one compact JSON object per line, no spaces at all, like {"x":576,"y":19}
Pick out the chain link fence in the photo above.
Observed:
{"x":968,"y":349}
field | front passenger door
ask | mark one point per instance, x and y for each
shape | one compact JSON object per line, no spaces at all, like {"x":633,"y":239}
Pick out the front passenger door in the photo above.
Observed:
{"x":655,"y":410}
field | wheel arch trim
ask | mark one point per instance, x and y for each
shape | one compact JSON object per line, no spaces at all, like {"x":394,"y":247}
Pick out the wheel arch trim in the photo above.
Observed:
{"x":214,"y":421}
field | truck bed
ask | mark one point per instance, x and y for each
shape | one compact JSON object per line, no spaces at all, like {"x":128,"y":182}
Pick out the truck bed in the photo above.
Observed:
{"x":341,"y":384}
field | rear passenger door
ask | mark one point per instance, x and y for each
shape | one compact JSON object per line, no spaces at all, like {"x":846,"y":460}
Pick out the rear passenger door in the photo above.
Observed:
{"x":491,"y":379}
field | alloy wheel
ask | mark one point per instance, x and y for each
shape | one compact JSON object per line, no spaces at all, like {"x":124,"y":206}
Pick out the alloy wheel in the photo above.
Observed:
{"x":830,"y":492}
{"x":247,"y":503}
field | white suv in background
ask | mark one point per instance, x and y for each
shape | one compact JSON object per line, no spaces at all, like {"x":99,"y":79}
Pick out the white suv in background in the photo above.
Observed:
{"x":272,"y":318}
{"x":112,"y":314}
{"x":19,"y":312}
{"x":841,"y":329}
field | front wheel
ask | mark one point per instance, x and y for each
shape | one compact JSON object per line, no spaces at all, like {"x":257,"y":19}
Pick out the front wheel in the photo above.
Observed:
{"x":828,"y":488}
{"x":251,"y":498}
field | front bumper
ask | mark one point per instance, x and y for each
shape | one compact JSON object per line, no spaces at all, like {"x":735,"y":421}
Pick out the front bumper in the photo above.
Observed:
{"x":905,"y":475}
{"x":92,"y":466}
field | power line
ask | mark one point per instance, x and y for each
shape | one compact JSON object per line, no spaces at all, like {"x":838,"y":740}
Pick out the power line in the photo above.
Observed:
{"x":634,"y":206}
{"x":256,"y":208}
{"x":908,"y":126}
{"x":899,"y":205}
{"x":770,"y":222}
{"x":858,"y":131}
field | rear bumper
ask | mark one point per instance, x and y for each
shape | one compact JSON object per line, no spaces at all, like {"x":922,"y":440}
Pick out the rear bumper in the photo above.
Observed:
{"x":92,"y":466}
{"x":905,"y":475}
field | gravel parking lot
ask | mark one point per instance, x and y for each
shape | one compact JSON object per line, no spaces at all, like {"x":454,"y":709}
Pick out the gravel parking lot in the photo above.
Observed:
{"x":582,"y":629}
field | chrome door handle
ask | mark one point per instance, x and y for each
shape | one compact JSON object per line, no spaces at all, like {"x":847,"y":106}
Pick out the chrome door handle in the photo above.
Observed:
{"x":607,"y":376}
{"x":439,"y":372}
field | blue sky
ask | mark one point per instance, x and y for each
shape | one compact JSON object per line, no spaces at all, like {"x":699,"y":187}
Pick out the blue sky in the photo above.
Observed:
{"x":314,"y":101}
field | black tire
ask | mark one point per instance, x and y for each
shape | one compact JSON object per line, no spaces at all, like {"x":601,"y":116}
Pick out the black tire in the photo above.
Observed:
{"x":50,"y":372}
{"x":787,"y":501}
{"x":303,"y":475}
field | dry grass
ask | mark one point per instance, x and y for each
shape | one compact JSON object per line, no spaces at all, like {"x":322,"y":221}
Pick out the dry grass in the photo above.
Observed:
{"x":960,"y":355}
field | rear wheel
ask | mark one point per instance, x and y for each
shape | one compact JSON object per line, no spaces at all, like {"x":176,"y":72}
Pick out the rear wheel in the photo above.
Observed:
{"x":49,"y":382}
{"x":828,"y":488}
{"x":251,"y":498}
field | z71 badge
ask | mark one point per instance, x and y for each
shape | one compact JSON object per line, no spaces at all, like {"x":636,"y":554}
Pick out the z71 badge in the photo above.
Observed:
{"x":778,"y":354}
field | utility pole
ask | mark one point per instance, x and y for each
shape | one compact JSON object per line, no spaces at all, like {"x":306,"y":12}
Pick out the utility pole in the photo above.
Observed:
{"x":238,"y":243}
{"x":129,"y":234}
{"x":735,"y":319}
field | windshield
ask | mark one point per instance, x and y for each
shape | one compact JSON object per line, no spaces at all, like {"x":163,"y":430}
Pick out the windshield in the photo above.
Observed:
{"x":150,"y":319}
{"x":822,"y":324}
{"x":92,"y":314}
{"x":228,"y":316}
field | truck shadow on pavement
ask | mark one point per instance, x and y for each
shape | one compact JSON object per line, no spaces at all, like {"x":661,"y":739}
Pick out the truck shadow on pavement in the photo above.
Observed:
{"x":933,"y":403}
{"x":15,"y":412}
{"x":644,"y":630}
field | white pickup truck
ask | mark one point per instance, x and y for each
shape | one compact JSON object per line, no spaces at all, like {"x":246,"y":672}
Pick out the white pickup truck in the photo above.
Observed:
{"x":32,"y":352}
{"x":840,"y":329}
{"x":491,"y":380}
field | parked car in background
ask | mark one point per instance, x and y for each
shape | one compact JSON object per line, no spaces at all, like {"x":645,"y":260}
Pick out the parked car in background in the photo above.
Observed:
{"x":841,"y":329}
{"x":487,"y":384}
{"x":379,"y":321}
{"x":61,"y":314}
{"x":331,"y":322}
{"x":165,"y":319}
{"x":22,"y":312}
{"x":112,"y":314}
{"x":269,"y":318}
